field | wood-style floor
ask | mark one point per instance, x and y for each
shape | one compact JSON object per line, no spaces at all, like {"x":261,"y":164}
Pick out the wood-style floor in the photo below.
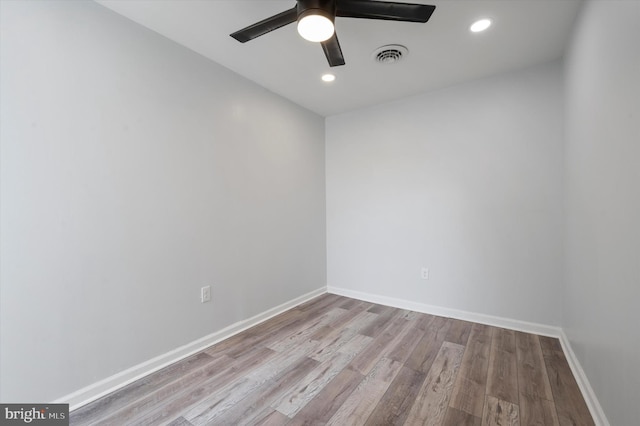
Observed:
{"x":340,"y":361}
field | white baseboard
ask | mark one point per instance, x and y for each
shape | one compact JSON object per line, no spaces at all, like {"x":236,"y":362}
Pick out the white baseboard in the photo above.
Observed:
{"x":110,"y":384}
{"x":529,"y":327}
{"x":589,"y":395}
{"x":512,"y":324}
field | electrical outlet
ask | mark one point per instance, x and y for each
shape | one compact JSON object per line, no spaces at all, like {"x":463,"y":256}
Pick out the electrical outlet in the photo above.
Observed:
{"x":205,"y":294}
{"x":424,"y":273}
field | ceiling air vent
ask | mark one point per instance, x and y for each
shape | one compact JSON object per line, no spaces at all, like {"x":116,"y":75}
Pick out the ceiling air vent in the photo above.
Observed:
{"x":389,"y":54}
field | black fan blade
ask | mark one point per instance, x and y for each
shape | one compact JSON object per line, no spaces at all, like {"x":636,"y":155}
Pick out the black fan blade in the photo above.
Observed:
{"x":266,"y":25}
{"x":332,"y":51}
{"x":384,"y":10}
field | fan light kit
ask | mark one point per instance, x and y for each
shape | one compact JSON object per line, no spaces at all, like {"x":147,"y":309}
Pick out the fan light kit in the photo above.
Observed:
{"x":328,"y":78}
{"x":315,"y":27}
{"x":480,"y":25}
{"x":316,"y":20}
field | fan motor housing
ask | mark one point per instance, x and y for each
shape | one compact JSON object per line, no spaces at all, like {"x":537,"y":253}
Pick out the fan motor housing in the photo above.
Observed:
{"x":326,"y":8}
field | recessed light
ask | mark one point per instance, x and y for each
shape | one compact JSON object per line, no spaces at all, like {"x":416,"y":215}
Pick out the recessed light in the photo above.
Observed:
{"x":480,"y":25}
{"x":328,"y":78}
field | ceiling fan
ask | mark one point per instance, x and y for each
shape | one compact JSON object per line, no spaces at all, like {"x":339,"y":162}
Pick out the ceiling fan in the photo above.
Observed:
{"x":316,"y":20}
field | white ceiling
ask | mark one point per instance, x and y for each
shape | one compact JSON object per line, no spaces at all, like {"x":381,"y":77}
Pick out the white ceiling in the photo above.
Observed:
{"x":442,"y":52}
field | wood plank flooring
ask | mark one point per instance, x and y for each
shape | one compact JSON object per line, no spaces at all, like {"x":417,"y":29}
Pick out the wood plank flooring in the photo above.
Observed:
{"x":341,"y":361}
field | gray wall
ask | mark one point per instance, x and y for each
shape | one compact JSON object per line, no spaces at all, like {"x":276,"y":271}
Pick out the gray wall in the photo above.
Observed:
{"x":465,"y":181}
{"x":602,"y":182}
{"x":133,"y":172}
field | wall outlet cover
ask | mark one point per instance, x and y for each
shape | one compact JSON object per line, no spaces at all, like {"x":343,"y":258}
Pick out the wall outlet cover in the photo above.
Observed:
{"x":205,"y":294}
{"x":424,"y":273}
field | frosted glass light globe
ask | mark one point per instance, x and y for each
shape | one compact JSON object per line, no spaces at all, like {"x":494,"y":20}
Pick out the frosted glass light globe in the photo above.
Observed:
{"x":315,"y":28}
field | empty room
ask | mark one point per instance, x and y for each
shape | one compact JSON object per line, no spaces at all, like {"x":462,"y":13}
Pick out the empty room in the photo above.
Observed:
{"x":321,"y":212}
